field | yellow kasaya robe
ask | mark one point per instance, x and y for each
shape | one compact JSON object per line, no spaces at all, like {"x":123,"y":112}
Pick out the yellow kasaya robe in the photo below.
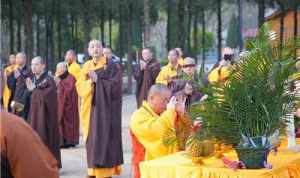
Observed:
{"x":167,"y":72}
{"x":6,"y":91}
{"x":148,"y":127}
{"x":84,"y":87}
{"x":181,"y":61}
{"x":219,"y":74}
{"x":74,"y":69}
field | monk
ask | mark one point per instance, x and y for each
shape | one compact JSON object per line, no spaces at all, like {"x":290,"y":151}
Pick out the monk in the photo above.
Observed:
{"x":171,"y":70}
{"x":16,"y":82}
{"x":181,"y":59}
{"x":100,"y":87}
{"x":222,"y":70}
{"x":43,"y":112}
{"x":73,"y":67}
{"x":68,"y":114}
{"x":148,"y":123}
{"x":108,"y":54}
{"x":23,"y":154}
{"x":7,"y":71}
{"x":145,"y":75}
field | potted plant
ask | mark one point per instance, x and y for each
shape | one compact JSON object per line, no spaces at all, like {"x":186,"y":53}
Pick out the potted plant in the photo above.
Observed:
{"x":249,"y":108}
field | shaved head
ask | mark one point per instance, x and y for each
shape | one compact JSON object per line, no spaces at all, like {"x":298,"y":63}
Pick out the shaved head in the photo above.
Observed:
{"x":21,"y":59}
{"x":95,"y":48}
{"x":38,"y":65}
{"x":158,"y":98}
{"x":61,"y":68}
{"x":70,"y":56}
{"x":12,"y":59}
{"x":157,"y":89}
{"x":62,"y":65}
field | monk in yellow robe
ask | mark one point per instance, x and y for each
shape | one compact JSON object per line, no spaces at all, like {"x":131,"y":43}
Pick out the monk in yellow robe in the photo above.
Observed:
{"x":73,"y":67}
{"x":171,"y":70}
{"x":222,"y":71}
{"x":7,"y":71}
{"x":148,"y":123}
{"x":100,"y":87}
{"x":181,"y":58}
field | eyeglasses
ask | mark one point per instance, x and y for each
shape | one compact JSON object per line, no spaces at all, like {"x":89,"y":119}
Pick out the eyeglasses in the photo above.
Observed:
{"x":188,"y":65}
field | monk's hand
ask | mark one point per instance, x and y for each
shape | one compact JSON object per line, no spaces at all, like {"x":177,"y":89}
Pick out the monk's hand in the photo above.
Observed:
{"x":172,"y":103}
{"x":93,"y":76}
{"x":57,"y":80}
{"x":17,"y":73}
{"x":204,"y":97}
{"x":143,"y":64}
{"x":30,"y":85}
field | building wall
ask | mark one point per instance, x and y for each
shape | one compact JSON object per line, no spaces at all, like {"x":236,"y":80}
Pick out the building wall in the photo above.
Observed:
{"x":288,"y":25}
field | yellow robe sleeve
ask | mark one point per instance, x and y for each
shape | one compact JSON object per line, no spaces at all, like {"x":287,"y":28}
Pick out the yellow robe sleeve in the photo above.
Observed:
{"x":213,"y":76}
{"x":149,"y":132}
{"x":84,"y":88}
{"x":6,"y":91}
{"x":75,"y":70}
{"x":161,"y":78}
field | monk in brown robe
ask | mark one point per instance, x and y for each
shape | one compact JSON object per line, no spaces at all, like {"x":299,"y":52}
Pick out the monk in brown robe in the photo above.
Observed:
{"x":43,"y":112}
{"x":23,"y":154}
{"x":16,"y":82}
{"x":145,"y":75}
{"x":100,"y":87}
{"x":68,"y":115}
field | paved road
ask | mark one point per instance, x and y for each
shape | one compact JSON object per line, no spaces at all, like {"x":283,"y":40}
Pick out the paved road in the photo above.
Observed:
{"x":74,"y":160}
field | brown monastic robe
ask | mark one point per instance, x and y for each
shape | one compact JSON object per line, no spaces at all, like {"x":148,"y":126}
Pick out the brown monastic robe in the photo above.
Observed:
{"x":23,"y":154}
{"x":20,"y":93}
{"x":43,"y":113}
{"x":145,"y":79}
{"x":68,"y":115}
{"x":104,"y":142}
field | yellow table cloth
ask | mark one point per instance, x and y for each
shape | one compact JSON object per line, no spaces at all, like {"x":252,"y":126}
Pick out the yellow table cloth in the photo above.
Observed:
{"x":286,"y":164}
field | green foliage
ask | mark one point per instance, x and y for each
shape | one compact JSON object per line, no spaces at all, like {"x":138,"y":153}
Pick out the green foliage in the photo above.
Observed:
{"x":209,"y":38}
{"x":232,"y":34}
{"x":254,"y":100}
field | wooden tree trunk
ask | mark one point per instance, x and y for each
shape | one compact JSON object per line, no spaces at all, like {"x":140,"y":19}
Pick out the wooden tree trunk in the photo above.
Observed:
{"x":181,"y":26}
{"x":19,"y":34}
{"x":281,"y":34}
{"x":261,"y":12}
{"x":51,"y":37}
{"x":58,"y":16}
{"x":120,"y":30}
{"x":295,"y":28}
{"x":240,"y":24}
{"x":189,"y":28}
{"x":11,"y":26}
{"x":203,"y":33}
{"x":146,"y":23}
{"x":110,"y":27}
{"x":76,"y":34}
{"x":169,"y":9}
{"x":38,"y":50}
{"x":129,"y":51}
{"x":102,"y":25}
{"x":86,"y":22}
{"x":72,"y":32}
{"x":219,"y":12}
{"x":195,"y":34}
{"x":47,"y":38}
{"x":28,"y":28}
